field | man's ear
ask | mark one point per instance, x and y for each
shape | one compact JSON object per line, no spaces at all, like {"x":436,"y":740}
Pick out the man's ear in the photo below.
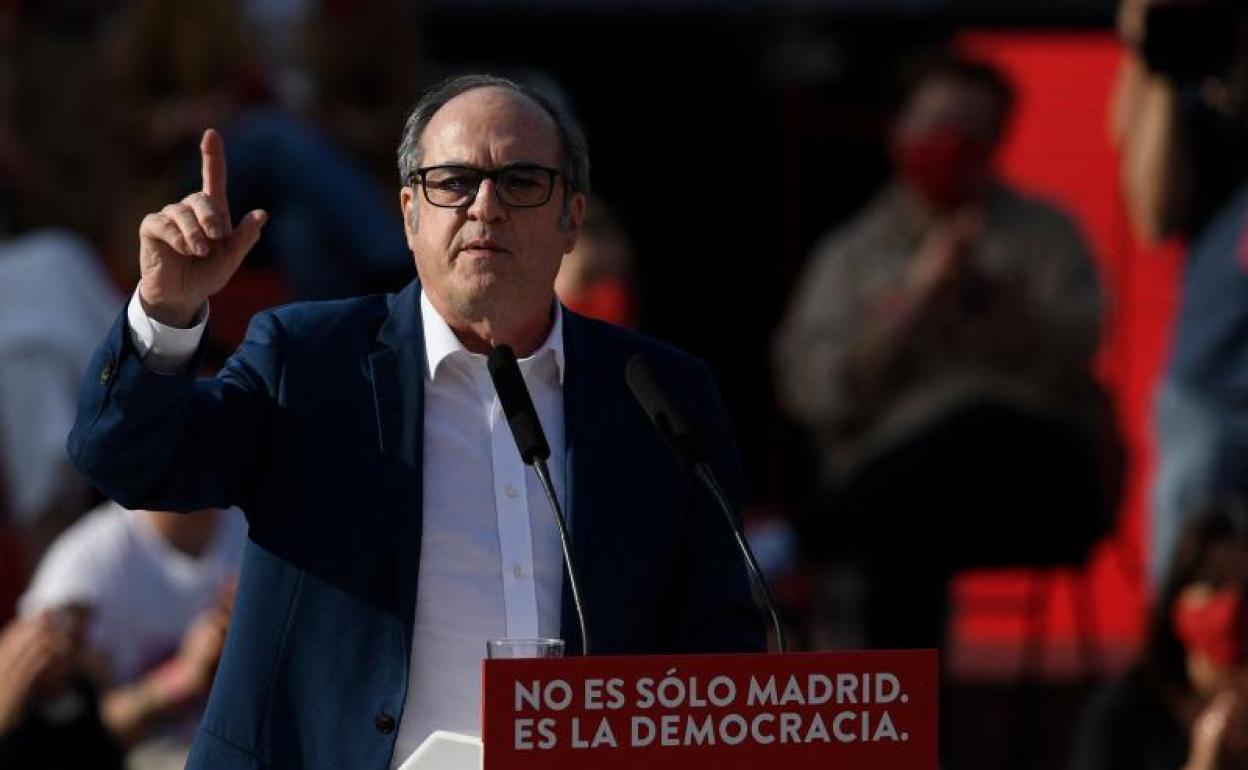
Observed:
{"x":571,"y":218}
{"x":411,"y":216}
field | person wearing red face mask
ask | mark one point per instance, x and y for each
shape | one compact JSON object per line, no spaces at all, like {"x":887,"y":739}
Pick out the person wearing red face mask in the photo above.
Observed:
{"x":944,"y":164}
{"x":937,"y":350}
{"x":1184,"y":704}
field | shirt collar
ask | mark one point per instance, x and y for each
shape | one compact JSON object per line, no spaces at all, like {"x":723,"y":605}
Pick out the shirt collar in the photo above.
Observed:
{"x":441,"y":342}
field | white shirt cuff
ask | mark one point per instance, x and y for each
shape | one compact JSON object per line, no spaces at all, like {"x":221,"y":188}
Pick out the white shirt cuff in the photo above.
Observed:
{"x":163,"y":349}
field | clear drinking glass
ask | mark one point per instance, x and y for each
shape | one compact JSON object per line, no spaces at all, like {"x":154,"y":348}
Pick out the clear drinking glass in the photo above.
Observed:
{"x":524,"y":648}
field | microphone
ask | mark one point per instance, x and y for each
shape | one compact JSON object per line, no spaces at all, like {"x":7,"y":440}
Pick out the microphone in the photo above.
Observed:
{"x":663,"y":413}
{"x":669,"y":423}
{"x":526,"y":429}
{"x":517,"y":405}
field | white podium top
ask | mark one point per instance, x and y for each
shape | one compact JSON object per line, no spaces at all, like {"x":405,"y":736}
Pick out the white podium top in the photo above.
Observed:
{"x":444,"y":750}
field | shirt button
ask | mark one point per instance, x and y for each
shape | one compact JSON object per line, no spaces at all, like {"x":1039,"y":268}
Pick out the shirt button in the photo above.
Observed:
{"x":518,"y":571}
{"x":384,"y":723}
{"x":511,"y":491}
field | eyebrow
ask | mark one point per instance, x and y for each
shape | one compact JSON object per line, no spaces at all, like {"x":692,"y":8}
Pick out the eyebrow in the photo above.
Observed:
{"x":466,"y":164}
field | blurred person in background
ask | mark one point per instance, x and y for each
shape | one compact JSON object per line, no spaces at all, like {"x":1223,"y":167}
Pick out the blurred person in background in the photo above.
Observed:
{"x":363,"y":60}
{"x":350,"y":66}
{"x":596,"y":277}
{"x":1184,"y":704}
{"x":51,"y":87}
{"x":49,"y":719}
{"x":53,"y":298}
{"x":182,"y":66}
{"x":280,"y":28}
{"x":155,"y":590}
{"x":53,"y":291}
{"x":938,"y":350}
{"x":52,"y":288}
{"x":1178,"y":116}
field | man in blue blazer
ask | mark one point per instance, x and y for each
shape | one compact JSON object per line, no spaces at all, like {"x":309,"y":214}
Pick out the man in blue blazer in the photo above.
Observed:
{"x":393,"y":529}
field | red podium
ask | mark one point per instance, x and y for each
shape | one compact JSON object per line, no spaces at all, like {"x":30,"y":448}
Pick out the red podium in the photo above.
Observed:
{"x":849,"y":710}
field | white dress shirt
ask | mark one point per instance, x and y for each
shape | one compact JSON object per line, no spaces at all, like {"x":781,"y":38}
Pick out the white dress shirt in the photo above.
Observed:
{"x":490,"y":561}
{"x":490,"y":564}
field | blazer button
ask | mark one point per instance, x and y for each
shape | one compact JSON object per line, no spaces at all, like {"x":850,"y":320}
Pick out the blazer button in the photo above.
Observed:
{"x":106,"y":371}
{"x":384,"y":723}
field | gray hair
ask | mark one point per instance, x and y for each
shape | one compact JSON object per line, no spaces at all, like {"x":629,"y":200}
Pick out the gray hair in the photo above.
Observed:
{"x":571,"y":136}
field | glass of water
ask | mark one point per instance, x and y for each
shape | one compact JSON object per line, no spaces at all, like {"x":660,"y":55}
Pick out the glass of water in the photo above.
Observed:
{"x":524,"y":648}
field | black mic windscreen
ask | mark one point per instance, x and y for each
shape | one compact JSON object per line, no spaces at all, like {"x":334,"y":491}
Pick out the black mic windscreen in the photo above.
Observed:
{"x":661,"y":411}
{"x":517,"y":405}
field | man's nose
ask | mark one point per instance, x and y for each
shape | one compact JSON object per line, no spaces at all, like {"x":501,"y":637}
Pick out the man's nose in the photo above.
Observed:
{"x":486,"y":206}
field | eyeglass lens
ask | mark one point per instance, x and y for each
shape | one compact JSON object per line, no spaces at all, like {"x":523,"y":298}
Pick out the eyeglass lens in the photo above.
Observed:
{"x":519,"y":186}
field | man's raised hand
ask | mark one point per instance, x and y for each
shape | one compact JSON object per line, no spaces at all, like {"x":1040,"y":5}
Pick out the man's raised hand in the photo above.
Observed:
{"x":189,"y":250}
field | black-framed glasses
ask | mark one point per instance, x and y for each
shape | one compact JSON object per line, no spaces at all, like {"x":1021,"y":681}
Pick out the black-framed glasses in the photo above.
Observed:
{"x":517,"y":186}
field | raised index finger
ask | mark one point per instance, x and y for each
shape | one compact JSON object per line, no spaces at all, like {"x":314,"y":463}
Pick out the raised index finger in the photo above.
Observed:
{"x":212,"y":151}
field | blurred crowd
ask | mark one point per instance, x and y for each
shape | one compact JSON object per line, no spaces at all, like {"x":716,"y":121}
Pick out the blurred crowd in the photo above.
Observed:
{"x":114,"y":620}
{"x":937,"y":351}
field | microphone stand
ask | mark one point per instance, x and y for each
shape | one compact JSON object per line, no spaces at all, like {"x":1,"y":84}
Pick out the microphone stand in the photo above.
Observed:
{"x":704,"y":474}
{"x":526,"y":429}
{"x":671,"y":426}
{"x":574,"y":580}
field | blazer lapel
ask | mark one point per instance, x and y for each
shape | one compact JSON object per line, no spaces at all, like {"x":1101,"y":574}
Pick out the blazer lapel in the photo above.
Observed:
{"x":398,"y":369}
{"x":586,"y":417}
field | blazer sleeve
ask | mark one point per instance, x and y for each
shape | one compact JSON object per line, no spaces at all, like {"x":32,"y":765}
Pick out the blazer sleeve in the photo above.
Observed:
{"x":169,"y":441}
{"x":715,"y":610}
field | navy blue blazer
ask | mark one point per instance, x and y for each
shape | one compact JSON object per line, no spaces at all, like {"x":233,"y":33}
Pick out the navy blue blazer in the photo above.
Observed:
{"x":314,"y":428}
